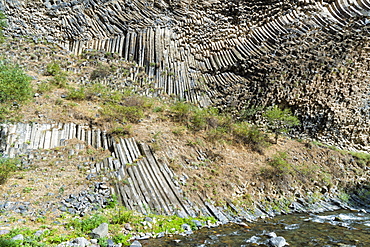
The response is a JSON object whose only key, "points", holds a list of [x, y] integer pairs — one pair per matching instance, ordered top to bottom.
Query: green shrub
{"points": [[3, 24], [53, 69], [101, 72], [59, 76], [59, 80], [15, 85], [44, 87], [76, 94], [129, 109], [181, 112], [122, 113], [280, 121], [121, 130], [250, 135], [363, 159], [280, 163], [7, 166], [122, 216], [85, 225], [121, 238], [8, 243]]}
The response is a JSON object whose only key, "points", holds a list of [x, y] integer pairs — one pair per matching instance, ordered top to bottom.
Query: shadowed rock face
{"points": [[308, 56]]}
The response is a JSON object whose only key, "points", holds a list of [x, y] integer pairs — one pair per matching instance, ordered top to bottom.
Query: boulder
{"points": [[100, 232], [276, 242]]}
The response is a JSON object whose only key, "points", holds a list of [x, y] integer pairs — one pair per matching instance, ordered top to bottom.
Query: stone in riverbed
{"points": [[276, 242], [136, 244]]}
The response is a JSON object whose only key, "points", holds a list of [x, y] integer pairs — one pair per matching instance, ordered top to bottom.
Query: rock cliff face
{"points": [[312, 57]]}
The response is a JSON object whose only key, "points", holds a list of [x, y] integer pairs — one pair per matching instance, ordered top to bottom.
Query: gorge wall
{"points": [[312, 57]]}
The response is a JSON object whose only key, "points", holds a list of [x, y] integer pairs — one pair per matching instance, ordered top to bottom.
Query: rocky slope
{"points": [[70, 159]]}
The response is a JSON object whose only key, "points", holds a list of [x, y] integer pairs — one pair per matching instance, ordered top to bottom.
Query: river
{"points": [[339, 228]]}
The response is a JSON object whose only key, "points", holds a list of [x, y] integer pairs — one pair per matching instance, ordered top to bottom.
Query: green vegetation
{"points": [[3, 24], [101, 72], [59, 77], [15, 85], [126, 109], [280, 121], [218, 126], [250, 134], [363, 159], [280, 164], [7, 167], [279, 168], [116, 217]]}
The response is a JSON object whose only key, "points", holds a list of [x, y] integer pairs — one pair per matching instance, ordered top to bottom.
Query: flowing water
{"points": [[339, 228]]}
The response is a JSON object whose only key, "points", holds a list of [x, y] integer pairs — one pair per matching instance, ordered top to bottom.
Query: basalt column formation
{"points": [[309, 56], [141, 180]]}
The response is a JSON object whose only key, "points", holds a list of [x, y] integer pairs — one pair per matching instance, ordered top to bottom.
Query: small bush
{"points": [[3, 24], [53, 69], [101, 72], [59, 76], [59, 80], [15, 85], [44, 87], [76, 94], [130, 109], [181, 112], [122, 113], [280, 121], [121, 130], [250, 135], [363, 159], [280, 163], [7, 166], [122, 216], [86, 225], [121, 238], [8, 243]]}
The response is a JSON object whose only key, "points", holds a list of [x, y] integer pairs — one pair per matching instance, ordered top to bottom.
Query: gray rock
{"points": [[148, 219], [197, 223], [128, 227], [186, 227], [2, 232], [100, 232], [38, 233], [271, 235], [18, 237], [81, 241], [276, 242], [110, 243], [136, 244]]}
